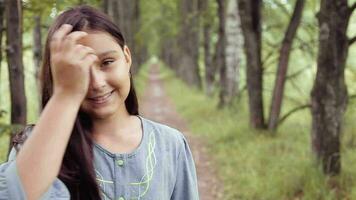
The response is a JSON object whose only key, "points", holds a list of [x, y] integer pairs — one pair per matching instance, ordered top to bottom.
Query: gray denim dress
{"points": [[160, 168]]}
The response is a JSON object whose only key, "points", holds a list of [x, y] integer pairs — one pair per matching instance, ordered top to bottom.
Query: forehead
{"points": [[99, 41]]}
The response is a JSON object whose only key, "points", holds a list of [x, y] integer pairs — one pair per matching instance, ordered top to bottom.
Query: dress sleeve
{"points": [[186, 186], [11, 187]]}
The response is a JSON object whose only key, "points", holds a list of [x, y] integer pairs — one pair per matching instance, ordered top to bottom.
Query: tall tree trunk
{"points": [[105, 6], [2, 11], [126, 15], [250, 15], [188, 42], [37, 44], [138, 46], [37, 52], [167, 52], [221, 54], [14, 60], [283, 61], [209, 67], [229, 76], [329, 93]]}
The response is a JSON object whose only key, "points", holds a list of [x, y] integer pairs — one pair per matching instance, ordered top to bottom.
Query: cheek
{"points": [[119, 78]]}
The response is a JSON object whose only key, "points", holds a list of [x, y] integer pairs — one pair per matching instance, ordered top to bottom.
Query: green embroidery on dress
{"points": [[149, 168], [145, 181], [102, 182]]}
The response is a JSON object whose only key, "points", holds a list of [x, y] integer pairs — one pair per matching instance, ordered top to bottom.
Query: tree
{"points": [[105, 6], [2, 10], [126, 14], [250, 15], [206, 21], [188, 42], [37, 44], [220, 59], [283, 61], [15, 63], [229, 71], [329, 93]]}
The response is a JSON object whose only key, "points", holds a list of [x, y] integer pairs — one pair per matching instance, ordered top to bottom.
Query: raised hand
{"points": [[70, 63]]}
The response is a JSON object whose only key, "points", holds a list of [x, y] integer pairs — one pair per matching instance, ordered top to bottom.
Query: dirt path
{"points": [[157, 106]]}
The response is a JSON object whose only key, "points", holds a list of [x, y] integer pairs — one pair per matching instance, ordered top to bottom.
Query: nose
{"points": [[97, 79]]}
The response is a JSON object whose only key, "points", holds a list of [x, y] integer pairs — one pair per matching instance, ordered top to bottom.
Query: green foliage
{"points": [[159, 20], [4, 145], [255, 166]]}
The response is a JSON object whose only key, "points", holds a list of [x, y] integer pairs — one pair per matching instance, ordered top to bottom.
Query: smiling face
{"points": [[109, 77]]}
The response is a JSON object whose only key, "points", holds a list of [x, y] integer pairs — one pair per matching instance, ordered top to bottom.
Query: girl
{"points": [[90, 141]]}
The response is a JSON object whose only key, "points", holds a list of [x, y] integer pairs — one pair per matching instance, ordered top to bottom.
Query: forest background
{"points": [[269, 85]]}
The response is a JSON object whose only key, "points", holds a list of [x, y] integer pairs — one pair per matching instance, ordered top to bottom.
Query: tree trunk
{"points": [[105, 6], [2, 11], [125, 14], [250, 15], [207, 27], [188, 42], [37, 44], [140, 45], [37, 52], [167, 53], [284, 53], [221, 54], [15, 64], [209, 68], [229, 76], [329, 93]]}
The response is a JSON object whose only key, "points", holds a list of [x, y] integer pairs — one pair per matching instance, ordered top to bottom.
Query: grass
{"points": [[4, 143], [255, 165]]}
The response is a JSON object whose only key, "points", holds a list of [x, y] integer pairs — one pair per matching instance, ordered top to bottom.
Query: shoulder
{"points": [[163, 130], [171, 137]]}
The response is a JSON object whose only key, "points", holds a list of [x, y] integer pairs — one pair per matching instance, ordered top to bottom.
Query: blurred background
{"points": [[264, 89]]}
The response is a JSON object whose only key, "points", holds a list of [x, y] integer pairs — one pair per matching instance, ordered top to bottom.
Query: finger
{"points": [[59, 34], [73, 37], [81, 51], [90, 59]]}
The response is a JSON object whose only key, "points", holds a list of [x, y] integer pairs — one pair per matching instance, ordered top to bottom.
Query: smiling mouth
{"points": [[101, 98]]}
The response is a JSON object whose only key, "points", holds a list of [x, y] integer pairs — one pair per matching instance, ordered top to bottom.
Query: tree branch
{"points": [[283, 8], [352, 8], [352, 40], [268, 56], [297, 73], [293, 111]]}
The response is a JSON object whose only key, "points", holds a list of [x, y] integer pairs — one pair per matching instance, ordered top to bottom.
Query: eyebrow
{"points": [[106, 53]]}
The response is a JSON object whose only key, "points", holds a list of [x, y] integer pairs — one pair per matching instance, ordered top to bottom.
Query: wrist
{"points": [[68, 99]]}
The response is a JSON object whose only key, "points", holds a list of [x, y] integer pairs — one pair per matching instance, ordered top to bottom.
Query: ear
{"points": [[127, 54]]}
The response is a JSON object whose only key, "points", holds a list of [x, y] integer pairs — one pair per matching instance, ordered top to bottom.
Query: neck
{"points": [[113, 127]]}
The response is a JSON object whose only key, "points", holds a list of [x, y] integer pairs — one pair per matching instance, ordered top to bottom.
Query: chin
{"points": [[103, 113]]}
